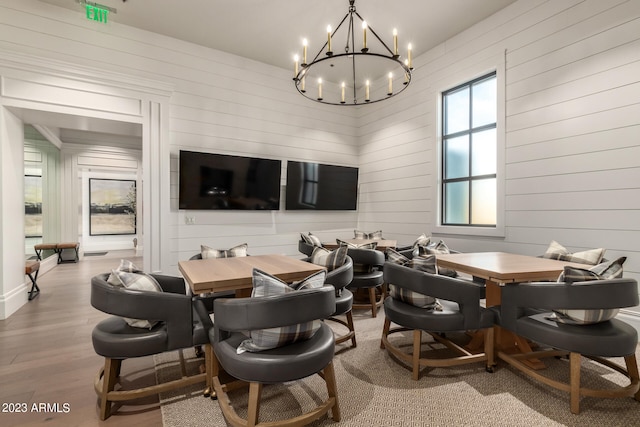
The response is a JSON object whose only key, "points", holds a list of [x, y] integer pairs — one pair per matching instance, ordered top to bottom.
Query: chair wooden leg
{"points": [[372, 300], [351, 327], [385, 331], [417, 338], [489, 348], [118, 364], [574, 366], [211, 370], [632, 370], [110, 375], [332, 390], [253, 410]]}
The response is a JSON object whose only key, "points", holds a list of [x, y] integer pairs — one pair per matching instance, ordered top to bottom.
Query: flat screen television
{"points": [[219, 181], [321, 187]]}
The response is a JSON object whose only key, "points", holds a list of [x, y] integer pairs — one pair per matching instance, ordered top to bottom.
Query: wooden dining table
{"points": [[499, 269], [236, 274]]}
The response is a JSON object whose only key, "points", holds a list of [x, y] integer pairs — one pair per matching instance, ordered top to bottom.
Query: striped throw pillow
{"points": [[376, 235], [310, 239], [422, 240], [370, 245], [434, 248], [207, 252], [559, 252], [329, 259], [426, 264], [602, 271], [141, 282], [265, 284]]}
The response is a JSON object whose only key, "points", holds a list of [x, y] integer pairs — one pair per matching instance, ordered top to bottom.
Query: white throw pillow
{"points": [[140, 282]]}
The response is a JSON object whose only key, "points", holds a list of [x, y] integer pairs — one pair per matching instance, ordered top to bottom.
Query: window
{"points": [[469, 154]]}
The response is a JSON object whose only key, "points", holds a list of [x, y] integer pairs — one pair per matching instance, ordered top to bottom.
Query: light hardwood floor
{"points": [[46, 355]]}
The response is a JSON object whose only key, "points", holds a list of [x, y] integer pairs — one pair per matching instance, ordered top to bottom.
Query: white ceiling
{"points": [[271, 31]]}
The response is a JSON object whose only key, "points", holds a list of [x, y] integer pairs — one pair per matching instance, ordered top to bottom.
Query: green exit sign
{"points": [[96, 13]]}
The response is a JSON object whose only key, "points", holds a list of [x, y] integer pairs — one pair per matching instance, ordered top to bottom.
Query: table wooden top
{"points": [[382, 243], [501, 267], [225, 274]]}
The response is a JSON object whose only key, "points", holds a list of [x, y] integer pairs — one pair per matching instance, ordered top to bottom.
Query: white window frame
{"points": [[445, 84]]}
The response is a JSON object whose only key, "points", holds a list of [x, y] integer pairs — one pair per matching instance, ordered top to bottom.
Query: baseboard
{"points": [[106, 246], [19, 296], [13, 300]]}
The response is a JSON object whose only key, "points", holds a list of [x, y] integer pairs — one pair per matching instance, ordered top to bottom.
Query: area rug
{"points": [[376, 390]]}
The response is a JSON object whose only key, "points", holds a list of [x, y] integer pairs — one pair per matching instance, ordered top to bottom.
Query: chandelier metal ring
{"points": [[357, 72]]}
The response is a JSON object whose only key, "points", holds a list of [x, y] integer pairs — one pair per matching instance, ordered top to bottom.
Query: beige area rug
{"points": [[376, 390]]}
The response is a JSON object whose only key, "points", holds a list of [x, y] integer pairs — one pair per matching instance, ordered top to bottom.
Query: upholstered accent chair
{"points": [[367, 275], [454, 306], [527, 309], [177, 322], [288, 362]]}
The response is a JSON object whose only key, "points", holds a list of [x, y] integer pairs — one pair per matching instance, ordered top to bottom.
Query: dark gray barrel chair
{"points": [[305, 248], [367, 274], [339, 278], [526, 310], [461, 311], [183, 322], [287, 363]]}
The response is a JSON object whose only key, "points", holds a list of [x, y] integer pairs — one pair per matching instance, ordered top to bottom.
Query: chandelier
{"points": [[366, 73]]}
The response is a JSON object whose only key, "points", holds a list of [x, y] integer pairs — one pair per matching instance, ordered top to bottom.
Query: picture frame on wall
{"points": [[112, 207]]}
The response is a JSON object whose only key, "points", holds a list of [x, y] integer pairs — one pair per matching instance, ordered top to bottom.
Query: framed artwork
{"points": [[33, 206], [112, 207]]}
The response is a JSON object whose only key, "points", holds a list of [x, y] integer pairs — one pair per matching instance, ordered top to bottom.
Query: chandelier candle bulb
{"points": [[364, 36], [329, 40], [395, 42], [304, 52], [409, 62], [295, 66], [390, 84], [303, 85], [319, 89], [366, 92], [342, 101]]}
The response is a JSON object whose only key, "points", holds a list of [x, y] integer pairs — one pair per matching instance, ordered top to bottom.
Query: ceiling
{"points": [[271, 31]]}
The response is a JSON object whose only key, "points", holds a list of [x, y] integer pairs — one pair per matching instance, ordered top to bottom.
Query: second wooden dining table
{"points": [[499, 269]]}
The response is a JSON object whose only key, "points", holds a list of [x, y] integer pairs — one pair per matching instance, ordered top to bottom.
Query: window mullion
{"points": [[469, 147]]}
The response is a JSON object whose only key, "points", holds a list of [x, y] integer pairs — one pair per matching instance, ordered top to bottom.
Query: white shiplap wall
{"points": [[221, 103], [572, 136]]}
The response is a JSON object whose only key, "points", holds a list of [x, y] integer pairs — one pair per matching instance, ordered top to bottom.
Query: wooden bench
{"points": [[57, 248], [30, 268]]}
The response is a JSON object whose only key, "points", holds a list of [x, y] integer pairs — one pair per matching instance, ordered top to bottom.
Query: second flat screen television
{"points": [[218, 181], [321, 187]]}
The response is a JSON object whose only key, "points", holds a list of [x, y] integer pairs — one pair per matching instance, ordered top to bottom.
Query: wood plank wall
{"points": [[572, 146]]}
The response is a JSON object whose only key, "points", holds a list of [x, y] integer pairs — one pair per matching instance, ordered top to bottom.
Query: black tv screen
{"points": [[218, 181], [321, 187]]}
